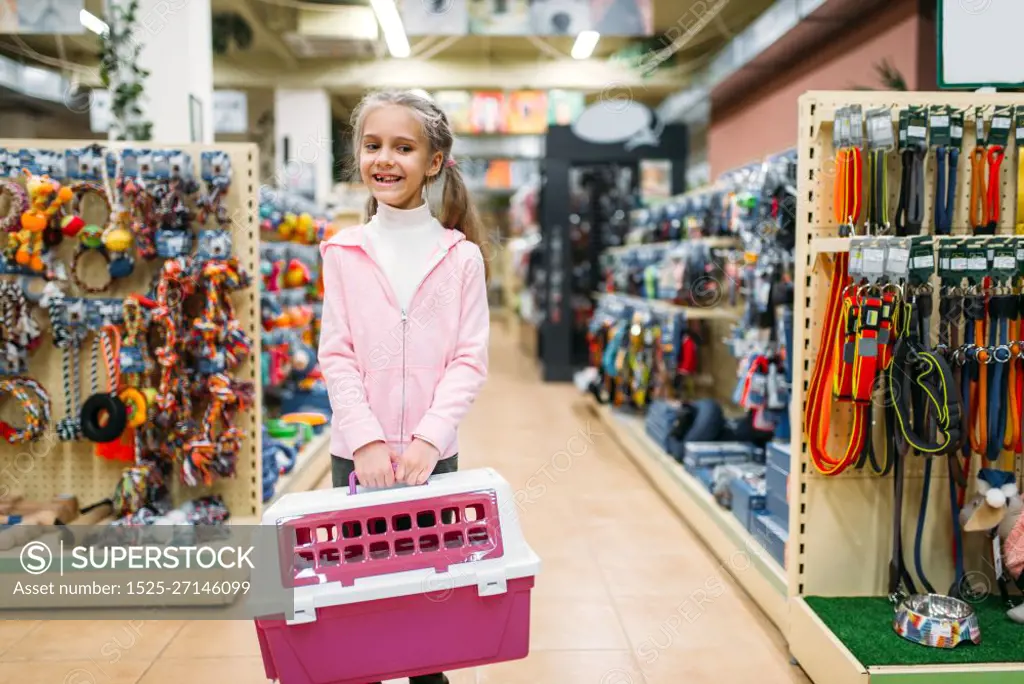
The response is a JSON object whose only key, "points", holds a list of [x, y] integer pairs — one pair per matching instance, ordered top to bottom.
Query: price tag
{"points": [[1002, 121], [879, 124], [939, 124], [979, 125], [856, 126], [1020, 127], [917, 129], [956, 129], [976, 254], [922, 259], [1004, 259], [874, 260], [897, 260], [958, 260], [977, 262], [1004, 263], [856, 267]]}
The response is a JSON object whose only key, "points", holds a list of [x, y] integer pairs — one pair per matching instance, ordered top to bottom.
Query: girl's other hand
{"points": [[417, 463], [373, 465]]}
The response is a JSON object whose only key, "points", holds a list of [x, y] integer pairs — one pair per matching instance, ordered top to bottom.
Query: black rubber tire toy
{"points": [[93, 410]]}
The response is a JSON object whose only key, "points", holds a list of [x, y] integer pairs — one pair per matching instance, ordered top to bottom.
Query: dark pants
{"points": [[341, 469]]}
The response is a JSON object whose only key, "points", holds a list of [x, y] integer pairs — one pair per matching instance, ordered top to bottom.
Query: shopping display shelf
{"points": [[716, 241], [837, 245], [691, 312], [311, 466], [736, 548], [840, 623], [828, 657]]}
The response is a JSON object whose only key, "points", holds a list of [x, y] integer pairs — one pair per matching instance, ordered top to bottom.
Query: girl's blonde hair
{"points": [[457, 209]]}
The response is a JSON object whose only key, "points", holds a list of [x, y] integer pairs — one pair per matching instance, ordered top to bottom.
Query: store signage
{"points": [[41, 17], [526, 17], [961, 64], [34, 81], [230, 111], [616, 121]]}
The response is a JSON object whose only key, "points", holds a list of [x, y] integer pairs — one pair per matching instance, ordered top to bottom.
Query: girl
{"points": [[403, 342]]}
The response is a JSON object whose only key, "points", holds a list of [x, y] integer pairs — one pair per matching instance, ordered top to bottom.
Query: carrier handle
{"points": [[352, 480]]}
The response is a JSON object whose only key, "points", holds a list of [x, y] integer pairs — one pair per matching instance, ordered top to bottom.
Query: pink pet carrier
{"points": [[399, 582]]}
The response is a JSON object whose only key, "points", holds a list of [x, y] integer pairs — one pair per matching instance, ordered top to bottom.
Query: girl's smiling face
{"points": [[395, 158]]}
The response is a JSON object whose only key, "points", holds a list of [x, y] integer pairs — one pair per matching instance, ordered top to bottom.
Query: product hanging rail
{"points": [[909, 275]]}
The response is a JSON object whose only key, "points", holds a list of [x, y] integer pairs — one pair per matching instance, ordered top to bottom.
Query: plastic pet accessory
{"points": [[388, 566]]}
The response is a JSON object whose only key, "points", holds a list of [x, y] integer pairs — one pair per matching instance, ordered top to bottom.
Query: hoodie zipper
{"points": [[405, 330]]}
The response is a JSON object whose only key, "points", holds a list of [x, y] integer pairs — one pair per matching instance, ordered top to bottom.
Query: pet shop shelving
{"points": [[48, 465], [842, 526], [741, 555]]}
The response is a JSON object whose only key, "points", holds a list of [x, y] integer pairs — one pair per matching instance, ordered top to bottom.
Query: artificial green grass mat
{"points": [[864, 626]]}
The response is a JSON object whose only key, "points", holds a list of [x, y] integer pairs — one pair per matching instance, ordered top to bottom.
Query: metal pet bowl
{"points": [[936, 621]]}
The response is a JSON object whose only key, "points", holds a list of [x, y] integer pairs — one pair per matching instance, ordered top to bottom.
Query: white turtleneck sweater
{"points": [[403, 242]]}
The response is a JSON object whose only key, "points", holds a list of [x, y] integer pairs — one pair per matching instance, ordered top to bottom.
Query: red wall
{"points": [[764, 121]]}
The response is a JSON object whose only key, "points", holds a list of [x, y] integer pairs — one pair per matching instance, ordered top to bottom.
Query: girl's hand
{"points": [[417, 463], [373, 465]]}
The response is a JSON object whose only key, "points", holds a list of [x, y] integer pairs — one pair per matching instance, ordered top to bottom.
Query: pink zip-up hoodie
{"points": [[392, 375]]}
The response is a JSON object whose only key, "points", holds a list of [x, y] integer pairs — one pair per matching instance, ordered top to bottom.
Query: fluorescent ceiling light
{"points": [[93, 23], [391, 24], [585, 43]]}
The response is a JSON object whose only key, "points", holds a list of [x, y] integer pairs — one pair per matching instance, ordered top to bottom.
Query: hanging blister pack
{"points": [[855, 126], [85, 164], [215, 165], [174, 237], [214, 245], [948, 252], [976, 253], [875, 258], [897, 259], [1003, 259], [922, 260], [778, 390]]}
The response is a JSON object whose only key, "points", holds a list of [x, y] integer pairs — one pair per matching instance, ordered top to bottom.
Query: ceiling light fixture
{"points": [[93, 23], [391, 24], [585, 43]]}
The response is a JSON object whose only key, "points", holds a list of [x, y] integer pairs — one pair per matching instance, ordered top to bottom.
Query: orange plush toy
{"points": [[46, 197]]}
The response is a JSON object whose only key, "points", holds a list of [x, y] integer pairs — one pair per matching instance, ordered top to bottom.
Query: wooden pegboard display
{"points": [[49, 467], [841, 527]]}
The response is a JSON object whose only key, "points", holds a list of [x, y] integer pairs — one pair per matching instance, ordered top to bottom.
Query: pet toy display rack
{"points": [[292, 305], [49, 465], [843, 552]]}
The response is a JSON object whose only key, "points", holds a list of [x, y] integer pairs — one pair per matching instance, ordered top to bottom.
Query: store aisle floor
{"points": [[627, 594]]}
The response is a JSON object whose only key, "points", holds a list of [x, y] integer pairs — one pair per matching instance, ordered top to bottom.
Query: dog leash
{"points": [[946, 161], [910, 208], [831, 363]]}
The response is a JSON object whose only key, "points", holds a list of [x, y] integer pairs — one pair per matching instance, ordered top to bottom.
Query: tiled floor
{"points": [[610, 605]]}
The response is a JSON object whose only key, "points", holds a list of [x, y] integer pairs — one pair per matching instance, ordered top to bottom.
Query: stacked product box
{"points": [[661, 418], [701, 458], [748, 498], [773, 528]]}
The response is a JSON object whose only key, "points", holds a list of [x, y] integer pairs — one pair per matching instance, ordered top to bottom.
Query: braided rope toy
{"points": [[18, 205], [69, 341], [36, 403], [132, 491]]}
